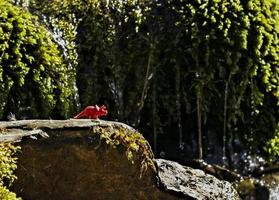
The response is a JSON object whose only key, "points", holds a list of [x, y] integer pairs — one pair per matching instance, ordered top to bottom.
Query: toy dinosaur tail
{"points": [[81, 114]]}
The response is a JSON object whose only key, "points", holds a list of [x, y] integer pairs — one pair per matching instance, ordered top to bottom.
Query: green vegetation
{"points": [[202, 67], [34, 80], [273, 144], [7, 166]]}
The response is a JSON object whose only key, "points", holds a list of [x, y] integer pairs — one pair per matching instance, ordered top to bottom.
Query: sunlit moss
{"points": [[33, 78], [273, 144], [136, 147], [7, 166], [5, 194]]}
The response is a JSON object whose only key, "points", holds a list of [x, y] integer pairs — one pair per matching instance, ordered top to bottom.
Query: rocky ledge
{"points": [[100, 160]]}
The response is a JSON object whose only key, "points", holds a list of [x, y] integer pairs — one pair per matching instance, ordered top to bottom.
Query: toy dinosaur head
{"points": [[102, 111]]}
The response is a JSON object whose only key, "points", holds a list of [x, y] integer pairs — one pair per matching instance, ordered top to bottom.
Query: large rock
{"points": [[70, 160], [100, 160], [193, 183]]}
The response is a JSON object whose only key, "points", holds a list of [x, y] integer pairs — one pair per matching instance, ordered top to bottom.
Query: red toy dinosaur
{"points": [[92, 112]]}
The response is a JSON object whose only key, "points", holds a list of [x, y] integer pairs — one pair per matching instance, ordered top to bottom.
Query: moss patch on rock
{"points": [[136, 147], [7, 167]]}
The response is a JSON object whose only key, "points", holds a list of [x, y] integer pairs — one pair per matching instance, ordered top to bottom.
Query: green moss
{"points": [[34, 80], [273, 144], [136, 147], [7, 166], [245, 187], [5, 194]]}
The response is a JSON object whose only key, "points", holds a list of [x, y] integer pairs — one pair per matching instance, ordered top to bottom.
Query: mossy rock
{"points": [[83, 159]]}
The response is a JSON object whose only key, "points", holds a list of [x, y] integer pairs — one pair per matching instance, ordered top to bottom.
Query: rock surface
{"points": [[100, 160], [74, 162], [193, 183]]}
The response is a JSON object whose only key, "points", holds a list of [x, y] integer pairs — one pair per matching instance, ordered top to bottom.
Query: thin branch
{"points": [[146, 80], [178, 105], [154, 111], [225, 118], [199, 128]]}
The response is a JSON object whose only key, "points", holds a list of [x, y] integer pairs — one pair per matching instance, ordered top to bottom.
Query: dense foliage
{"points": [[184, 66], [186, 71], [34, 80], [7, 166]]}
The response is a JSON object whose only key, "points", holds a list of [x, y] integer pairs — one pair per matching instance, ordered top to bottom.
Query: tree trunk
{"points": [[146, 80], [178, 106], [154, 115], [199, 128], [224, 157]]}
